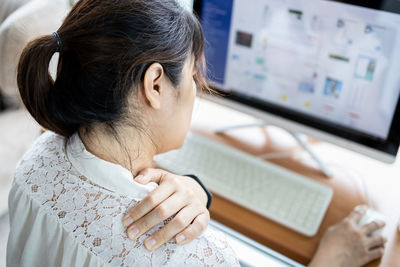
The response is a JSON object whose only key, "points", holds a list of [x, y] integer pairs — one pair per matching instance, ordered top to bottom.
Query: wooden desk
{"points": [[381, 180]]}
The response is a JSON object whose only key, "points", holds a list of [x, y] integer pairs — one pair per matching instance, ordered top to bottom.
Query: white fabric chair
{"points": [[9, 6], [37, 17]]}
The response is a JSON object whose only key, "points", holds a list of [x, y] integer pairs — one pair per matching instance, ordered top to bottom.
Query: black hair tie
{"points": [[58, 40]]}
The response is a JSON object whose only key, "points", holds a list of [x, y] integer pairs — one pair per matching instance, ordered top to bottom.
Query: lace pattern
{"points": [[93, 215]]}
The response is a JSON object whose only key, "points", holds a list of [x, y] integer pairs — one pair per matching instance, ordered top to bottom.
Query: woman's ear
{"points": [[153, 84]]}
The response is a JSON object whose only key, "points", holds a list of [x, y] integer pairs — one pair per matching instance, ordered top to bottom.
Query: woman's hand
{"points": [[175, 194], [348, 244]]}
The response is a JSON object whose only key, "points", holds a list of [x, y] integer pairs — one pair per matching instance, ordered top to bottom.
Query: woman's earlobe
{"points": [[153, 96]]}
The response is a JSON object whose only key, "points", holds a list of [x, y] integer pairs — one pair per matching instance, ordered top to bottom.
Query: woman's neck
{"points": [[129, 149]]}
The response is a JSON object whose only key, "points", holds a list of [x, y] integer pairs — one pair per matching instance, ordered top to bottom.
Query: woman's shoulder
{"points": [[47, 153]]}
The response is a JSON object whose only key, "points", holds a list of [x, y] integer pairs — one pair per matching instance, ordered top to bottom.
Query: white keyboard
{"points": [[267, 189]]}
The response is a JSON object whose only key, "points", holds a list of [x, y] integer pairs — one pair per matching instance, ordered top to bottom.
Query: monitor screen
{"points": [[326, 64]]}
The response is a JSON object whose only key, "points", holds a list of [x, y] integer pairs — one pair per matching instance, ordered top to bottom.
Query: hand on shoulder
{"points": [[176, 195]]}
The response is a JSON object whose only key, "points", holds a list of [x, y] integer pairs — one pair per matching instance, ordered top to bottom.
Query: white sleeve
{"points": [[37, 239]]}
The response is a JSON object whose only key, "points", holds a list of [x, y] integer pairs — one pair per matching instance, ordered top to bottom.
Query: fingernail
{"points": [[139, 178], [127, 221], [133, 232], [180, 238], [150, 243]]}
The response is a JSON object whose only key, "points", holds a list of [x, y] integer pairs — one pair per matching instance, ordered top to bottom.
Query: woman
{"points": [[124, 92]]}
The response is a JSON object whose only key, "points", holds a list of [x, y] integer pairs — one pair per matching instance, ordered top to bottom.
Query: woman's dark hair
{"points": [[107, 46]]}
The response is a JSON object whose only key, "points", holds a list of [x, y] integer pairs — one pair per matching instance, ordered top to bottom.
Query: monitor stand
{"points": [[324, 169]]}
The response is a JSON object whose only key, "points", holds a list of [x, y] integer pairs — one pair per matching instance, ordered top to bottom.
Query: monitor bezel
{"points": [[382, 149]]}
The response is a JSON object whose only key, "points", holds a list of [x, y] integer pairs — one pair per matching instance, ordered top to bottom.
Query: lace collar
{"points": [[111, 176]]}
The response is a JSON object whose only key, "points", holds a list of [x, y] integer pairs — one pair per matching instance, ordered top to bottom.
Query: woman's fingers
{"points": [[150, 175], [175, 195], [152, 200], [163, 211], [357, 213], [181, 221], [371, 227], [194, 229], [376, 241], [375, 254]]}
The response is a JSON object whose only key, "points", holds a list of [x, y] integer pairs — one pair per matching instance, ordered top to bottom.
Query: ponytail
{"points": [[35, 82]]}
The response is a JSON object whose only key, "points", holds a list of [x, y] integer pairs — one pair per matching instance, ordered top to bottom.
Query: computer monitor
{"points": [[328, 69]]}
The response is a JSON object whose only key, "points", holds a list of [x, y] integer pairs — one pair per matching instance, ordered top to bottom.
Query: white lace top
{"points": [[66, 208]]}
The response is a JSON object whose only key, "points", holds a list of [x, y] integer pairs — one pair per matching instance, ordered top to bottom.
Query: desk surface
{"points": [[381, 181]]}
